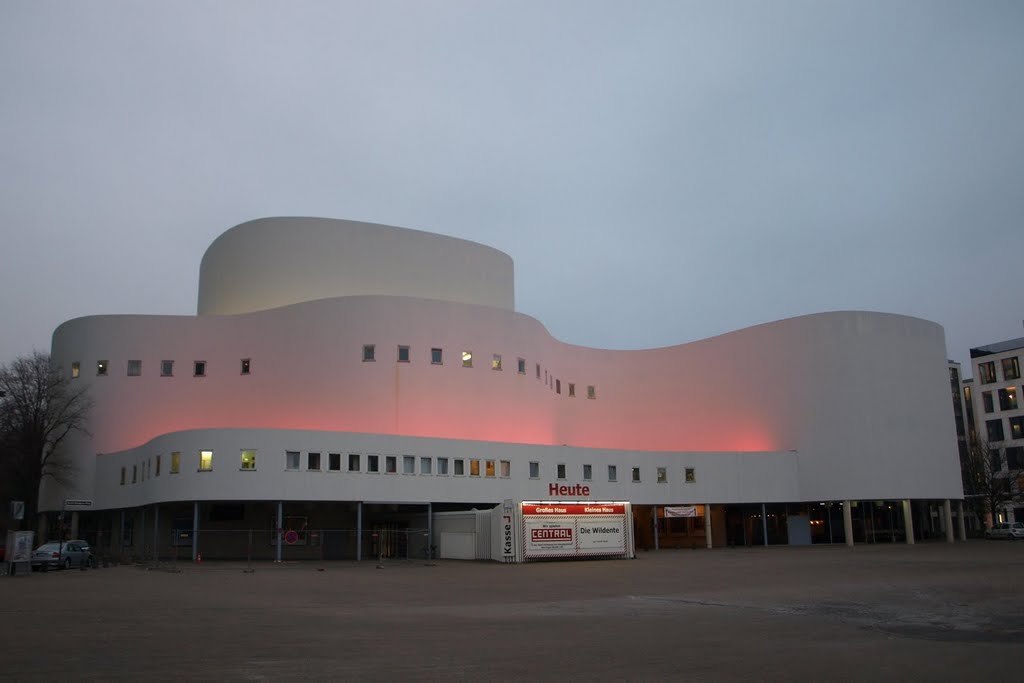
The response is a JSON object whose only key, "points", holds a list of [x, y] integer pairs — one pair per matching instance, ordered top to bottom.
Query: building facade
{"points": [[345, 384]]}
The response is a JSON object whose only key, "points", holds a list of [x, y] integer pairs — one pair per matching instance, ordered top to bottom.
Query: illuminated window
{"points": [[368, 353], [403, 354], [467, 359], [496, 362], [246, 366], [521, 366], [101, 367], [134, 368], [166, 368], [199, 368], [1011, 368], [76, 369], [987, 372], [558, 386], [572, 390], [591, 391], [1008, 398], [987, 403], [1017, 428], [248, 460], [291, 460], [205, 461], [175, 462], [313, 462], [334, 462], [353, 462], [373, 463], [391, 464], [408, 464], [158, 465], [425, 466], [442, 467], [458, 467], [474, 468], [489, 468], [505, 468], [534, 470], [560, 470], [588, 472], [613, 473], [636, 474], [123, 475], [662, 475], [691, 476]]}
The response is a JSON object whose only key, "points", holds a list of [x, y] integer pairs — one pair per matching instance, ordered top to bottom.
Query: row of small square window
{"points": [[437, 358], [166, 368], [1011, 370], [1007, 400], [995, 429], [661, 473]]}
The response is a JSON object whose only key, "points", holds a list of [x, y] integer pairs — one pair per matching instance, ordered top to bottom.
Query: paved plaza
{"points": [[892, 612]]}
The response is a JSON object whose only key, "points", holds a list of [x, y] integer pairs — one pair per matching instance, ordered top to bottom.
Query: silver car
{"points": [[1012, 531], [65, 555]]}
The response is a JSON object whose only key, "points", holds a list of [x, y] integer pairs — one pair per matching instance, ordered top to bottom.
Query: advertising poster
{"points": [[552, 530]]}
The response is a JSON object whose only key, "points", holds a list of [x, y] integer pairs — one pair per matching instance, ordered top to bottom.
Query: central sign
{"points": [[554, 530]]}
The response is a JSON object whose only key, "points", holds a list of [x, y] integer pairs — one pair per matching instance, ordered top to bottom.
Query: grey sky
{"points": [[659, 171]]}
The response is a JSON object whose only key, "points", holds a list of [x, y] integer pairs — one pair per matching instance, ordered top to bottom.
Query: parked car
{"points": [[1012, 531], [55, 555]]}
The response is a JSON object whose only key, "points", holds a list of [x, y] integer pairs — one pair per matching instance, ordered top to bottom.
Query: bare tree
{"points": [[39, 410], [988, 486]]}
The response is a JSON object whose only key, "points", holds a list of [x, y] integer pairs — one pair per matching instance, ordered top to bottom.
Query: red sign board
{"points": [[574, 509]]}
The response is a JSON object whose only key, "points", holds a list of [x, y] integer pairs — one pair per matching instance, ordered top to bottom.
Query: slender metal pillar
{"points": [[947, 513], [654, 515], [848, 522], [908, 522], [74, 524], [764, 524], [707, 525], [280, 527], [962, 528], [195, 530], [359, 531], [430, 531], [142, 532], [156, 533], [120, 539]]}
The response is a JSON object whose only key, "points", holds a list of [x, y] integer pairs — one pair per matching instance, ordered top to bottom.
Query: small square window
{"points": [[368, 353], [403, 354], [436, 356], [467, 359], [496, 362], [246, 366], [521, 366], [101, 367], [134, 368], [166, 368], [1011, 368], [76, 369], [199, 369], [538, 370], [987, 371], [546, 381], [558, 386], [572, 390], [591, 391], [1008, 398], [986, 401], [1017, 427], [995, 430], [249, 460], [291, 460], [205, 461], [313, 461], [175, 462], [334, 462], [353, 462], [373, 463], [391, 464], [408, 464], [158, 465], [425, 466], [442, 467], [458, 467], [474, 468], [488, 468], [505, 468], [534, 470], [560, 470], [588, 473], [613, 473], [135, 474], [636, 474], [123, 475], [662, 475], [691, 475]]}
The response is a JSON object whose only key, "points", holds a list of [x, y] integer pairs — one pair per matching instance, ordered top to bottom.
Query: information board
{"points": [[565, 530]]}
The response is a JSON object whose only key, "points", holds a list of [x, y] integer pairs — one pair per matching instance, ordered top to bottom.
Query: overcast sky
{"points": [[660, 172]]}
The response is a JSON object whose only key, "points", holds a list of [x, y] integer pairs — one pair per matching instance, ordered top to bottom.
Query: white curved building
{"points": [[355, 379]]}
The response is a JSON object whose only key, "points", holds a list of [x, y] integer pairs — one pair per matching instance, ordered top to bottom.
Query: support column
{"points": [[947, 513], [654, 516], [960, 518], [848, 522], [908, 522], [74, 524], [764, 524], [707, 525], [280, 528], [195, 530], [430, 530], [359, 531], [142, 533], [156, 533], [120, 537]]}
